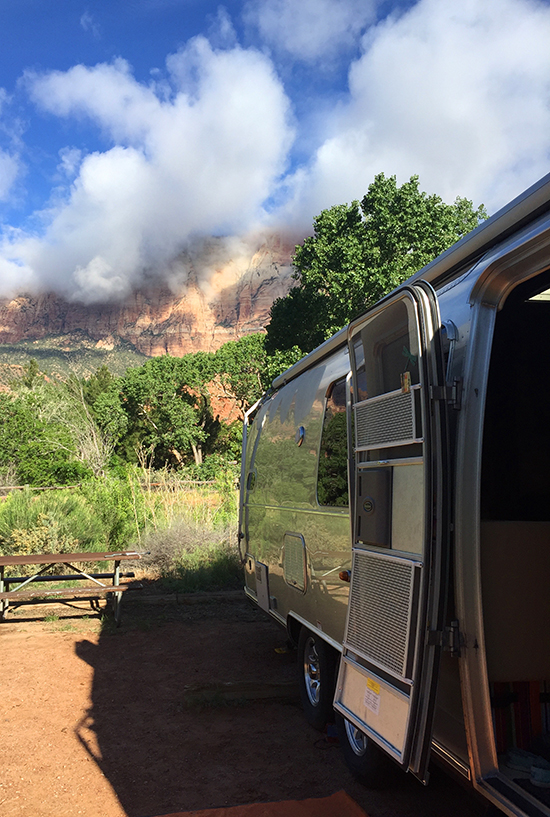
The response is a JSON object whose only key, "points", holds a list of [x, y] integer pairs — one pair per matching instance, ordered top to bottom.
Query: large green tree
{"points": [[361, 251], [239, 365], [245, 370], [167, 404], [161, 413], [36, 447]]}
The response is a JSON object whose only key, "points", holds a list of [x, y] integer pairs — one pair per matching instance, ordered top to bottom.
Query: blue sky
{"points": [[130, 130]]}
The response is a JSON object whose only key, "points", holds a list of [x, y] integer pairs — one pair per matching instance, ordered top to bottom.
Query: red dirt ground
{"points": [[97, 721]]}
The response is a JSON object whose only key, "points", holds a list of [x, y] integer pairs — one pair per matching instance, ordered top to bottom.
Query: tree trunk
{"points": [[197, 453], [177, 456]]}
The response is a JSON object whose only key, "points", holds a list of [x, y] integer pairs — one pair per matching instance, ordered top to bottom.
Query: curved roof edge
{"points": [[526, 207], [326, 348]]}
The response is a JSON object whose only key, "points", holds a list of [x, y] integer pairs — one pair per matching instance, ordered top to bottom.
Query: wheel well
{"points": [[293, 628]]}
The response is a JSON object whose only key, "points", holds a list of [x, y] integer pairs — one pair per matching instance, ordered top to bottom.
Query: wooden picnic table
{"points": [[45, 561]]}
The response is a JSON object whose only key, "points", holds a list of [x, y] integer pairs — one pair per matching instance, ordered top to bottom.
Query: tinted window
{"points": [[332, 475]]}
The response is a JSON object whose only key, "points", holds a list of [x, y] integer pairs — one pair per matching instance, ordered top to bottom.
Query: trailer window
{"points": [[386, 351], [386, 374], [332, 473]]}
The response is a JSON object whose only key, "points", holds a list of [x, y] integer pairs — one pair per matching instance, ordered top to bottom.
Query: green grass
{"points": [[188, 530], [207, 567]]}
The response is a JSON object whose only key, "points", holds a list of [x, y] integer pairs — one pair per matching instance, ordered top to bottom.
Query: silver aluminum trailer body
{"points": [[437, 400]]}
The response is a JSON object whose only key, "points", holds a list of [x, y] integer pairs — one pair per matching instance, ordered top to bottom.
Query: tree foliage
{"points": [[361, 251], [239, 369], [245, 370], [30, 372], [101, 382], [168, 408], [158, 414], [36, 446]]}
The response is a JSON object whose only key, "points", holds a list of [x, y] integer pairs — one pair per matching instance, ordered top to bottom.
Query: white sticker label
{"points": [[372, 696]]}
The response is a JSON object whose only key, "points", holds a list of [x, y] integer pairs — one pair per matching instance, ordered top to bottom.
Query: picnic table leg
{"points": [[117, 597], [4, 604]]}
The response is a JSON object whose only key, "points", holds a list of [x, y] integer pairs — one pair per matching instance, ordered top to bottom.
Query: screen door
{"points": [[387, 680]]}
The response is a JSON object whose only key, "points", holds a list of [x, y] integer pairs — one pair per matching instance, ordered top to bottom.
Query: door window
{"points": [[386, 351]]}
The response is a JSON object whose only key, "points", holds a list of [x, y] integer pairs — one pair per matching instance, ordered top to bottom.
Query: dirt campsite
{"points": [[192, 703]]}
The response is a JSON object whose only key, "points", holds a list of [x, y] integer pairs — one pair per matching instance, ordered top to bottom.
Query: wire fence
{"points": [[5, 490]]}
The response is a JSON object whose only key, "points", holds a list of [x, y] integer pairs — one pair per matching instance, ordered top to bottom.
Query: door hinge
{"points": [[452, 394], [449, 639]]}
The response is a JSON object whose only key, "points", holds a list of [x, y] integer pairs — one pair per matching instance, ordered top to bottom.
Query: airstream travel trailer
{"points": [[395, 517]]}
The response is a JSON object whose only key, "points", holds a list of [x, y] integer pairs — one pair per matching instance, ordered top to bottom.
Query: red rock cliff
{"points": [[219, 303]]}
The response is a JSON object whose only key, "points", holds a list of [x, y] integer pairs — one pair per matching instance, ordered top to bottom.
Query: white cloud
{"points": [[89, 24], [310, 30], [221, 33], [457, 92], [107, 94], [70, 161], [201, 161], [10, 163], [9, 170], [15, 276], [98, 281]]}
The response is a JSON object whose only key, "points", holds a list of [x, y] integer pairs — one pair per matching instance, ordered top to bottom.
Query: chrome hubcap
{"points": [[312, 675], [357, 739]]}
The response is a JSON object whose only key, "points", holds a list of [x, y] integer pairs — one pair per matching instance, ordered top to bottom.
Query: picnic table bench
{"points": [[93, 591]]}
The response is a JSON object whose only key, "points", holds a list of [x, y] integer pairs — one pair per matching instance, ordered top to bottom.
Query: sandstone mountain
{"points": [[208, 300]]}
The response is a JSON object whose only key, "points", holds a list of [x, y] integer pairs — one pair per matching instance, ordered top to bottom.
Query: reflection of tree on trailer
{"points": [[442, 639]]}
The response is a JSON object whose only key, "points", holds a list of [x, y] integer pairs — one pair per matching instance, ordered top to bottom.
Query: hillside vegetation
{"points": [[63, 356], [145, 460]]}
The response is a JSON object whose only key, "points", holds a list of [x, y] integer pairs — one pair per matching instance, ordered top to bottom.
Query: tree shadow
{"points": [[195, 706], [158, 727]]}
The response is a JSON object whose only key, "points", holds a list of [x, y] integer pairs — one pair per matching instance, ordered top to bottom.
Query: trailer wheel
{"points": [[317, 670], [365, 760]]}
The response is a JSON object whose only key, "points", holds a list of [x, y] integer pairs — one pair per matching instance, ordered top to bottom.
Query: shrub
{"points": [[119, 504], [103, 514], [61, 516], [52, 522], [186, 527], [45, 537], [193, 544], [189, 558], [209, 567]]}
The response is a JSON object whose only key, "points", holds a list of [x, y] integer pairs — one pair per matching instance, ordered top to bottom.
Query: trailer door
{"points": [[400, 526]]}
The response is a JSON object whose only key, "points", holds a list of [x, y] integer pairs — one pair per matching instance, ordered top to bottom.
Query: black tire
{"points": [[317, 670], [365, 760]]}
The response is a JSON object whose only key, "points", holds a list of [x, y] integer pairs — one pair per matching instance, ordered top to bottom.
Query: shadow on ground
{"points": [[192, 707]]}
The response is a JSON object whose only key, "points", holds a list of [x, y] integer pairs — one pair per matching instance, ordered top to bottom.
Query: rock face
{"points": [[200, 307]]}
